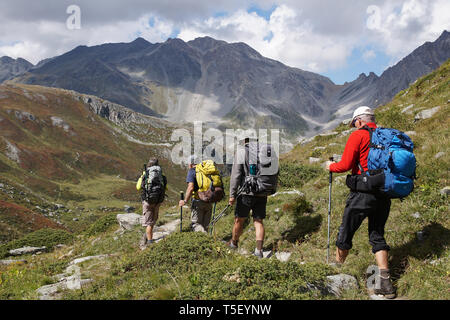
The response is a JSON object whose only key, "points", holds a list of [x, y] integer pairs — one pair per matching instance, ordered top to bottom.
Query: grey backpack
{"points": [[261, 169]]}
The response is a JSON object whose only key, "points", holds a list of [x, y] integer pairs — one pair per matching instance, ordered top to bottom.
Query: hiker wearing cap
{"points": [[153, 185], [249, 188], [360, 205], [200, 210]]}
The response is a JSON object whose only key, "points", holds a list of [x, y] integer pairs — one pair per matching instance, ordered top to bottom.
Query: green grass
{"points": [[102, 225], [43, 237], [192, 266], [197, 266]]}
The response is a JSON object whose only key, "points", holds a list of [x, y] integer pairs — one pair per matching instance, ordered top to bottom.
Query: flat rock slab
{"points": [[407, 109], [426, 114], [439, 155], [314, 160], [445, 191], [288, 192], [129, 209], [128, 221], [169, 227], [163, 231], [26, 250], [283, 256], [83, 259], [8, 262], [341, 282], [50, 291], [53, 291]]}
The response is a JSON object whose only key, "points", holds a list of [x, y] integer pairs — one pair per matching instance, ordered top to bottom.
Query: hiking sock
{"points": [[234, 242], [259, 244], [258, 253], [385, 273], [386, 287]]}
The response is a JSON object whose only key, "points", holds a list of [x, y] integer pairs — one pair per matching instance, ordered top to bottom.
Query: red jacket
{"points": [[356, 149]]}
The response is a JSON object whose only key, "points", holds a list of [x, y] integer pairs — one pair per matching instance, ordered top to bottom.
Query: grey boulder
{"points": [[426, 114], [128, 221], [26, 250], [338, 283]]}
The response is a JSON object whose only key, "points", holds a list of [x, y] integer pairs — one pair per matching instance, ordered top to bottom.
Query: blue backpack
{"points": [[391, 151]]}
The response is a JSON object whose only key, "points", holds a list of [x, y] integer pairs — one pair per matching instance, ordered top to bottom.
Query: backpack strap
{"points": [[371, 131], [371, 145]]}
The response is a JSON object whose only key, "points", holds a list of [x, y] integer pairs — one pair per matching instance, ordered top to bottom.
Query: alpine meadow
{"points": [[85, 133]]}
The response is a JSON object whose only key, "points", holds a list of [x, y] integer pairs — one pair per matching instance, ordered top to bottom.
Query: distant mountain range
{"points": [[10, 68], [225, 84]]}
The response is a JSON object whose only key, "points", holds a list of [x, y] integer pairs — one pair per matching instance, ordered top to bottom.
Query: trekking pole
{"points": [[144, 183], [181, 211], [329, 212], [221, 214], [213, 215]]}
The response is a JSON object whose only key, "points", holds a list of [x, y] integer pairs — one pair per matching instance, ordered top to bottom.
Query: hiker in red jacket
{"points": [[360, 205]]}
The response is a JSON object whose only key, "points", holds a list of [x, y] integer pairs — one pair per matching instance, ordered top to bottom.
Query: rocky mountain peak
{"points": [[445, 35], [205, 43], [10, 68]]}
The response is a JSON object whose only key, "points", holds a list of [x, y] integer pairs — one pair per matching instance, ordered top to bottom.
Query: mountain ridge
{"points": [[229, 84]]}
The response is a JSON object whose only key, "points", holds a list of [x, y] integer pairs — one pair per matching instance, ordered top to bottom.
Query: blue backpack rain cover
{"points": [[392, 151]]}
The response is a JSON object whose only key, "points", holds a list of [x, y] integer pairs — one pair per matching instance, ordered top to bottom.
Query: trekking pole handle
{"points": [[331, 173], [181, 195]]}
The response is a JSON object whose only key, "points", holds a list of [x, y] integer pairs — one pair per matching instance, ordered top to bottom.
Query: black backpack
{"points": [[154, 185]]}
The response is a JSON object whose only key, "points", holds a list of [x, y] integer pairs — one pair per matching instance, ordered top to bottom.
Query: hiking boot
{"points": [[144, 242], [231, 245], [143, 246], [258, 253], [386, 288]]}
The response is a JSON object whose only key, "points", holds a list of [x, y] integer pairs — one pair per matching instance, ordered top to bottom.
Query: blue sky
{"points": [[265, 13], [356, 65]]}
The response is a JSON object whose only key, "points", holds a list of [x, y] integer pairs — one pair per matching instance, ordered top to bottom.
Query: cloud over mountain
{"points": [[317, 36]]}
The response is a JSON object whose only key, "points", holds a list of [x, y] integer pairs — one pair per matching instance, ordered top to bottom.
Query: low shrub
{"points": [[294, 175], [102, 224], [43, 237], [253, 279]]}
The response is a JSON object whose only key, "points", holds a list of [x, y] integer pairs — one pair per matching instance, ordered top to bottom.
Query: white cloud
{"points": [[399, 28], [313, 35], [280, 38], [44, 39], [26, 50], [368, 55]]}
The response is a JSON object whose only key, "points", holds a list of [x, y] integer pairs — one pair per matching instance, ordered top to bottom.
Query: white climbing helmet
{"points": [[359, 112]]}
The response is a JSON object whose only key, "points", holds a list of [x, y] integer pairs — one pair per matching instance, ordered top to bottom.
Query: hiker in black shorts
{"points": [[245, 201]]}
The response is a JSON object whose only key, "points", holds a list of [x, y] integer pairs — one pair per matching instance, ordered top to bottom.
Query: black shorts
{"points": [[246, 203], [359, 206]]}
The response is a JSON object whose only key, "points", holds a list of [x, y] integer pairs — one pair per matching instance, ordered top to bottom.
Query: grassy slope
{"points": [[85, 166], [410, 258], [192, 265]]}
